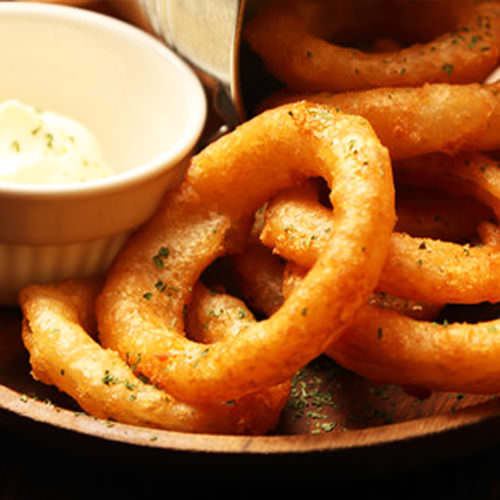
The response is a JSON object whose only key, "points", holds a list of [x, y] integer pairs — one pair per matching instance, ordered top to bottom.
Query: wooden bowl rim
{"points": [[82, 423]]}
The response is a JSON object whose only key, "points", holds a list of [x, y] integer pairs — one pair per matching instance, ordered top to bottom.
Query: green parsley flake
{"points": [[473, 41], [448, 68], [162, 254], [158, 262], [215, 314], [109, 379], [315, 415], [328, 426]]}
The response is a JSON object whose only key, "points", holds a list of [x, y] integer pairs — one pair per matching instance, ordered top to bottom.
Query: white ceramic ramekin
{"points": [[144, 105]]}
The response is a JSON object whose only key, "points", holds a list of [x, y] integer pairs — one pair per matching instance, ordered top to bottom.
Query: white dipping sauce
{"points": [[41, 147]]}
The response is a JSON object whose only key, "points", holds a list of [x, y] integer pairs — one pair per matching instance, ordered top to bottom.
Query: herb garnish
{"points": [[448, 68], [158, 259], [160, 286], [109, 379]]}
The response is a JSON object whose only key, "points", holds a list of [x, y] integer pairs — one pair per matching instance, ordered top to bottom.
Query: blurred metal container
{"points": [[207, 34]]}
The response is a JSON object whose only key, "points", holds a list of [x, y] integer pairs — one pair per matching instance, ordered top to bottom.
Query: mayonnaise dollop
{"points": [[42, 147]]}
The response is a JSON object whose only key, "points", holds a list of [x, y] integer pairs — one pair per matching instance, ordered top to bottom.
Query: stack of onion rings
{"points": [[290, 40], [294, 142], [421, 269], [348, 279], [62, 353], [213, 379]]}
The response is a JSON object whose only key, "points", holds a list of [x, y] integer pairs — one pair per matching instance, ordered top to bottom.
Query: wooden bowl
{"points": [[332, 415]]}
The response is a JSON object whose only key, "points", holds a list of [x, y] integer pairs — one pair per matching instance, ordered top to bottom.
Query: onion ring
{"points": [[283, 36], [415, 121], [476, 175], [227, 182], [427, 214], [420, 269], [294, 274], [259, 276], [284, 278], [213, 315], [56, 318], [386, 346]]}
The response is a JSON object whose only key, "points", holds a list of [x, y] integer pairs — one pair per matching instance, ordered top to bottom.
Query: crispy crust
{"points": [[284, 37], [416, 121], [229, 180], [420, 269], [259, 276], [389, 346], [63, 354]]}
